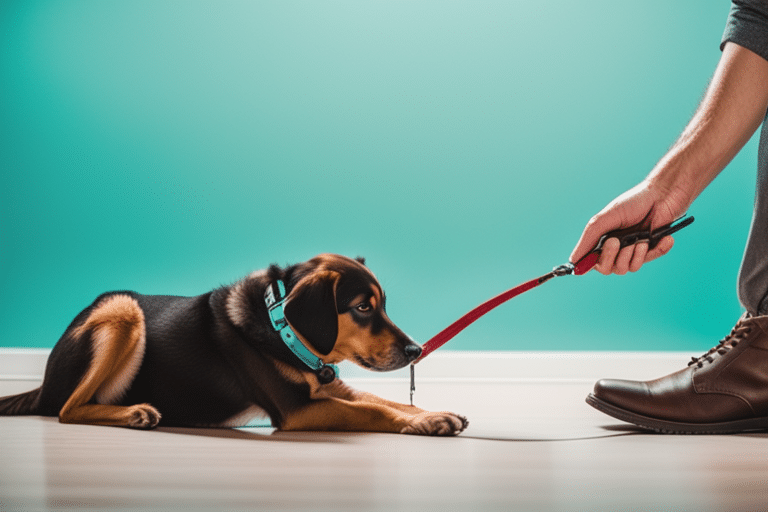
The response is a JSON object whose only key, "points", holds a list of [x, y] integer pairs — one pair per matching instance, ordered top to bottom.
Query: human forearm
{"points": [[732, 109]]}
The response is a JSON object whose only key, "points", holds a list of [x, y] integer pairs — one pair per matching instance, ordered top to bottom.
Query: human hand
{"points": [[642, 205]]}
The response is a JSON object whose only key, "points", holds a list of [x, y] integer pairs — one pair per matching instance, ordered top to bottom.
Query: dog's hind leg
{"points": [[115, 328]]}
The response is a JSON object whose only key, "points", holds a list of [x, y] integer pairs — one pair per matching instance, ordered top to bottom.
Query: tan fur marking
{"points": [[334, 262], [126, 314], [118, 336], [354, 341], [290, 372], [336, 388], [341, 408], [343, 415]]}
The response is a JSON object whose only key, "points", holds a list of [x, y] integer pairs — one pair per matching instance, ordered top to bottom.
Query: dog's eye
{"points": [[364, 307]]}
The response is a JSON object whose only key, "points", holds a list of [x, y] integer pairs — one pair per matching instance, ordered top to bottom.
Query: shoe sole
{"points": [[674, 427]]}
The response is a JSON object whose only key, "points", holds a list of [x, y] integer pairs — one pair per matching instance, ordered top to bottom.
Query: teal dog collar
{"points": [[275, 305]]}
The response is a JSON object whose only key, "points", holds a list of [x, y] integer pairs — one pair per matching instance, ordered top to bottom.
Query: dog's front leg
{"points": [[364, 396], [335, 414]]}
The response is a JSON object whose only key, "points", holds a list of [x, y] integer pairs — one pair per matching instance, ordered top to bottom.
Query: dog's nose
{"points": [[412, 352]]}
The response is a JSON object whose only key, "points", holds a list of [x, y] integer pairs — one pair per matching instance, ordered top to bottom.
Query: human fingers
{"points": [[630, 208], [593, 231], [663, 247], [608, 255], [638, 256], [619, 261], [621, 265]]}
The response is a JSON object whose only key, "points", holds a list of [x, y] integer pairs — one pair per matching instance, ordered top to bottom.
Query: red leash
{"points": [[627, 236], [438, 340]]}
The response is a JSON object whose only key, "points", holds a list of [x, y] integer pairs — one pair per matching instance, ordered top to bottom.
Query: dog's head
{"points": [[337, 306]]}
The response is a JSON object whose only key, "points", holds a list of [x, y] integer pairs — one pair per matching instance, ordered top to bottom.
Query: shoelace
{"points": [[738, 332]]}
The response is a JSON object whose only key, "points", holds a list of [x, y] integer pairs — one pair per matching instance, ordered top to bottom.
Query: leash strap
{"points": [[627, 236], [462, 323]]}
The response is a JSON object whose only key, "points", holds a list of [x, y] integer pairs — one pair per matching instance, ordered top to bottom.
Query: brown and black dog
{"points": [[219, 359]]}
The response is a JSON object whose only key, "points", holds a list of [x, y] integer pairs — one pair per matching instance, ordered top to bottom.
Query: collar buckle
{"points": [[275, 306]]}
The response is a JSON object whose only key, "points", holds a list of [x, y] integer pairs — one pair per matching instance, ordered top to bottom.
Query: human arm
{"points": [[732, 109]]}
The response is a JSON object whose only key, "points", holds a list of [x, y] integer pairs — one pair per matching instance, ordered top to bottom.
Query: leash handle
{"points": [[630, 236]]}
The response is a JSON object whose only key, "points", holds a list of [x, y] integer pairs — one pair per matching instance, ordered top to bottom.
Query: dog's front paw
{"points": [[143, 416], [436, 424]]}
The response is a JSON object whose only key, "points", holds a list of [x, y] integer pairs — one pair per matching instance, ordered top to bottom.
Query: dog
{"points": [[265, 346]]}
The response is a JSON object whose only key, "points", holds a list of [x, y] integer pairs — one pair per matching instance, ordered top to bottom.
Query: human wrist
{"points": [[678, 179], [673, 187]]}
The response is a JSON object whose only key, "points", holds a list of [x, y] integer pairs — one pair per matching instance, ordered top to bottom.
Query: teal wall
{"points": [[174, 146]]}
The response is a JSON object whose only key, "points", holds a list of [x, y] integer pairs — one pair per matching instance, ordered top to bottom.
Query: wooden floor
{"points": [[530, 446]]}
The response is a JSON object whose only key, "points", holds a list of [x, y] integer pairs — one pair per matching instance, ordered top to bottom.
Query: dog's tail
{"points": [[21, 404]]}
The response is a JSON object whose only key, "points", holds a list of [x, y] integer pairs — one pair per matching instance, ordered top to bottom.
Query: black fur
{"points": [[312, 311]]}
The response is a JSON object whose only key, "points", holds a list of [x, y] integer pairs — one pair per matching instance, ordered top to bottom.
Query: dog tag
{"points": [[413, 381]]}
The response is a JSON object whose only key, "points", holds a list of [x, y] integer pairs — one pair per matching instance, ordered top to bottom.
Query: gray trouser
{"points": [[753, 274]]}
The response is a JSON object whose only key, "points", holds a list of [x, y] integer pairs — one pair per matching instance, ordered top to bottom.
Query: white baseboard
{"points": [[22, 369]]}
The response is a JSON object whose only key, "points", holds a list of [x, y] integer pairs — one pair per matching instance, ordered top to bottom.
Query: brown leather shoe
{"points": [[724, 391]]}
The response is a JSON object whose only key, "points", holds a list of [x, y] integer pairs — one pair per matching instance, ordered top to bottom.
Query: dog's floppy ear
{"points": [[311, 309]]}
